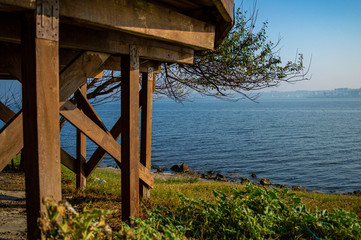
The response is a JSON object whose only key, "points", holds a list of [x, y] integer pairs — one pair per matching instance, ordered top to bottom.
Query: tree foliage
{"points": [[245, 62]]}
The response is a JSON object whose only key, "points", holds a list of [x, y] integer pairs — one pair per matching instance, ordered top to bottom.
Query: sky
{"points": [[329, 31]]}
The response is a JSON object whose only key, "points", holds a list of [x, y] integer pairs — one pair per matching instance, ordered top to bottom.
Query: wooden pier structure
{"points": [[53, 46]]}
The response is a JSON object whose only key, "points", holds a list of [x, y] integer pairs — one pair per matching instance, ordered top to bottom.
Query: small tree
{"points": [[245, 62]]}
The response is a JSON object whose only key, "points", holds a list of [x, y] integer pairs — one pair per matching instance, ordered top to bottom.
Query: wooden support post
{"points": [[40, 74], [146, 126], [130, 133], [81, 151], [81, 160]]}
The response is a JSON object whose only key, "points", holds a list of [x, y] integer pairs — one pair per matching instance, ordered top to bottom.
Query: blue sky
{"points": [[329, 31]]}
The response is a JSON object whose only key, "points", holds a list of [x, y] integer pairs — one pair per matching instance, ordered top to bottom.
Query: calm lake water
{"points": [[315, 143]]}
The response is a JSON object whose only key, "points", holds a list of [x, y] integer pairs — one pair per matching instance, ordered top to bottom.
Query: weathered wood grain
{"points": [[142, 18], [112, 42], [77, 73], [87, 108], [40, 114], [76, 117], [146, 125], [130, 134], [81, 139], [11, 140], [100, 153], [68, 161]]}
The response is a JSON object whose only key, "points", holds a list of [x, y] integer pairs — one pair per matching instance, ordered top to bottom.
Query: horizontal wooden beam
{"points": [[226, 9], [141, 18], [112, 42], [113, 63], [72, 76]]}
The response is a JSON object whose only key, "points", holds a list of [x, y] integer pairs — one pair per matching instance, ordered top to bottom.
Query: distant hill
{"points": [[336, 93]]}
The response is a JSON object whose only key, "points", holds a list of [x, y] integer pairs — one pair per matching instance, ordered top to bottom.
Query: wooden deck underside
{"points": [[64, 42]]}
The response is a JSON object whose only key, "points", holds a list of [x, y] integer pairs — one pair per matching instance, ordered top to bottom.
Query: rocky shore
{"points": [[183, 171]]}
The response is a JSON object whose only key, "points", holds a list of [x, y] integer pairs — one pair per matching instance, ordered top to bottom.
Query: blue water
{"points": [[315, 143]]}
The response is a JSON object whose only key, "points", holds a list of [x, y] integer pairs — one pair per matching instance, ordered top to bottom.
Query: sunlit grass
{"points": [[165, 192]]}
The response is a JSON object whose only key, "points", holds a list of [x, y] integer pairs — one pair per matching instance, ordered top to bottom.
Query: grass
{"points": [[165, 193], [106, 194]]}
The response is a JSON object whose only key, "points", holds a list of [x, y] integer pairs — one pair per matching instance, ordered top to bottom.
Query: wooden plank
{"points": [[26, 4], [226, 9], [137, 17], [142, 18], [112, 42], [113, 63], [77, 73], [72, 76], [68, 80], [87, 108], [41, 111], [5, 113], [76, 117], [146, 126], [95, 133], [130, 134], [11, 140], [81, 140], [100, 153], [80, 160], [68, 161], [146, 176]]}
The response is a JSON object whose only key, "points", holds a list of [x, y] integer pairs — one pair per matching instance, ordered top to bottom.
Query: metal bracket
{"points": [[47, 19]]}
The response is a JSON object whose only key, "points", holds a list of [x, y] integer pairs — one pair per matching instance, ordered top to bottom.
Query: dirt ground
{"points": [[12, 202], [12, 206]]}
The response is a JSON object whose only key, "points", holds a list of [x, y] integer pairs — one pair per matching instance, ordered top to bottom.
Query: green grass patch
{"points": [[177, 181], [99, 183], [165, 192], [213, 210]]}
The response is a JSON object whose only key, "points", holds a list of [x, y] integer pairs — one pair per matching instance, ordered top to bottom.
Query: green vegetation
{"points": [[195, 209]]}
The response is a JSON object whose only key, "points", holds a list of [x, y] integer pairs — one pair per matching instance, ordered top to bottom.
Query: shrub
{"points": [[251, 213]]}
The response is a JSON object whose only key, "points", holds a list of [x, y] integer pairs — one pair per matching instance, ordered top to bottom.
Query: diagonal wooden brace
{"points": [[71, 78], [88, 109], [81, 121], [11, 140], [99, 153]]}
